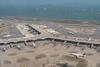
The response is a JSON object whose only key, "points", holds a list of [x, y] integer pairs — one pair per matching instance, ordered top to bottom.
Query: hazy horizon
{"points": [[54, 2], [63, 9]]}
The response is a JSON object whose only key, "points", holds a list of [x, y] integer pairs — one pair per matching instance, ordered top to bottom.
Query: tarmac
{"points": [[46, 49]]}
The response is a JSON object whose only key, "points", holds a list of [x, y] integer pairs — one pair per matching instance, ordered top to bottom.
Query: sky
{"points": [[36, 2], [73, 3]]}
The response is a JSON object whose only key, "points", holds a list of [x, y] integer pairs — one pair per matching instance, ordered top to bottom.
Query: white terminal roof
{"points": [[42, 26], [52, 31]]}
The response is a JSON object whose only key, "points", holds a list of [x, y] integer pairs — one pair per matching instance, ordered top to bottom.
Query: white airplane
{"points": [[71, 33], [89, 39], [33, 45], [18, 47], [3, 49], [78, 55]]}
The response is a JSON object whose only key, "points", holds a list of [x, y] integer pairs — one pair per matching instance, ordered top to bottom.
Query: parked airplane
{"points": [[77, 55]]}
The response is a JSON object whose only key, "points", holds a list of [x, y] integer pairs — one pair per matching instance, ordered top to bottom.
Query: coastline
{"points": [[48, 18]]}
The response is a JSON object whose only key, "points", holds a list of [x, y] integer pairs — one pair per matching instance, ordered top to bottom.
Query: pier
{"points": [[43, 38]]}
